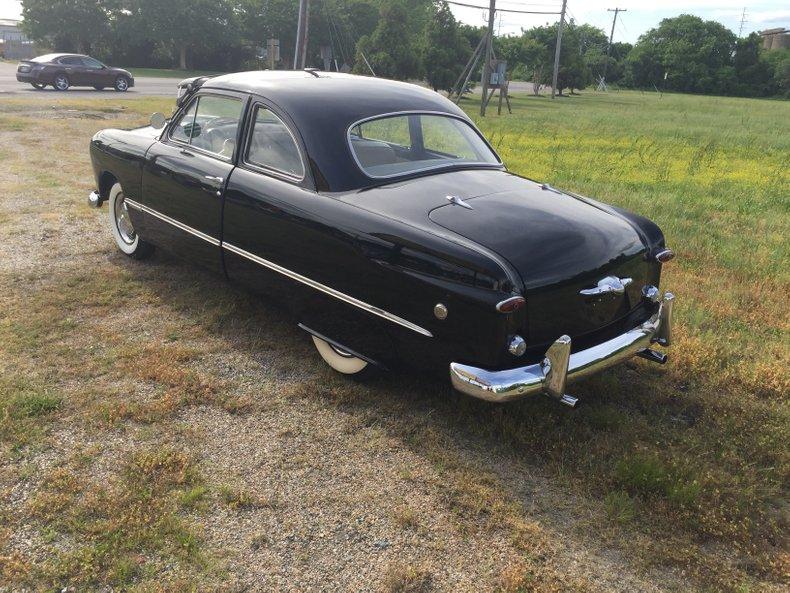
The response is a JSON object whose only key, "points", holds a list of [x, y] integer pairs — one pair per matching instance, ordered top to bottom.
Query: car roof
{"points": [[51, 57], [323, 105]]}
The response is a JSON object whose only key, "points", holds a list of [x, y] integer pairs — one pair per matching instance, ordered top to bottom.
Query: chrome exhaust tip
{"points": [[653, 356]]}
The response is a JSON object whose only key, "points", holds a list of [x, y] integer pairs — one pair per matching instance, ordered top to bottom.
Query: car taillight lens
{"points": [[24, 68], [665, 255], [510, 305]]}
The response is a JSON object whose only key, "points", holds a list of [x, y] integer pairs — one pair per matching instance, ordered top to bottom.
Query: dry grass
{"points": [[122, 384]]}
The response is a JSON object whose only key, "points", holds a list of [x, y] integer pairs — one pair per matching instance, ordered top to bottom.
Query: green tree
{"points": [[67, 25], [182, 26], [390, 48], [446, 49], [687, 50]]}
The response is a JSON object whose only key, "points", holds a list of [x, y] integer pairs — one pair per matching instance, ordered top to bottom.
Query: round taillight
{"points": [[665, 255], [510, 305]]}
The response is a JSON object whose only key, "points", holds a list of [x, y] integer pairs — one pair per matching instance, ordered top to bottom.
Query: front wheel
{"points": [[62, 82], [121, 84], [37, 85], [123, 231], [340, 360]]}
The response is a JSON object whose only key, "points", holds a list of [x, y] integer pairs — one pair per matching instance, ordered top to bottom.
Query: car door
{"points": [[74, 70], [96, 73], [185, 173], [282, 239]]}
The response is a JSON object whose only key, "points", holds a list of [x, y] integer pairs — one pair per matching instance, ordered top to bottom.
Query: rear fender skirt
{"points": [[343, 347]]}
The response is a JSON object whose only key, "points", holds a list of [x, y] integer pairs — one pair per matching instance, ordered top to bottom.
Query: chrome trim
{"points": [[465, 120], [266, 169], [94, 199], [172, 221], [667, 255], [606, 285], [327, 290], [651, 293], [337, 346], [517, 346], [551, 375]]}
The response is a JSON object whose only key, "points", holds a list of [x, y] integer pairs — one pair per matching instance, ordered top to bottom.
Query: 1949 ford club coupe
{"points": [[384, 220]]}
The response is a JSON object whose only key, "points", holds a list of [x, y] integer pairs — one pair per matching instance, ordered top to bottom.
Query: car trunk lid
{"points": [[560, 246]]}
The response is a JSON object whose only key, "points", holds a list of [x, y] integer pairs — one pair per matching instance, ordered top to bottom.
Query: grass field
{"points": [[163, 431]]}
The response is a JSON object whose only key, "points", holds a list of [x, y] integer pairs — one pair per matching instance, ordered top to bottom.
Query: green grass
{"points": [[169, 73], [682, 467]]}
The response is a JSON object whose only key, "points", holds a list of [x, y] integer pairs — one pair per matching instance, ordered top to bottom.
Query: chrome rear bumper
{"points": [[559, 366]]}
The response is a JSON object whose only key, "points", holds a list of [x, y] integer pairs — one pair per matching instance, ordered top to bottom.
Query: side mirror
{"points": [[158, 121]]}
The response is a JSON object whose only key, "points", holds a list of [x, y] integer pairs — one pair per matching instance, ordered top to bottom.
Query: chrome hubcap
{"points": [[61, 82], [121, 84], [122, 221]]}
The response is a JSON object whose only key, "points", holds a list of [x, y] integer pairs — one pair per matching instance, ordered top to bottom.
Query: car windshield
{"points": [[394, 145]]}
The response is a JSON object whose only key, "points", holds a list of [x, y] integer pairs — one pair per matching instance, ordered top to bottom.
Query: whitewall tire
{"points": [[122, 228], [340, 360]]}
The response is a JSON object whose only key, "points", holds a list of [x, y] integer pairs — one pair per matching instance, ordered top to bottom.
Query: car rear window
{"points": [[45, 58], [394, 145]]}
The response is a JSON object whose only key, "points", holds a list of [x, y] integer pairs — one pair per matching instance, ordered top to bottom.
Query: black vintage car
{"points": [[66, 70], [389, 226]]}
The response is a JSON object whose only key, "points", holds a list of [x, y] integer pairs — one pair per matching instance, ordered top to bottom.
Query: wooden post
{"points": [[557, 50], [487, 57]]}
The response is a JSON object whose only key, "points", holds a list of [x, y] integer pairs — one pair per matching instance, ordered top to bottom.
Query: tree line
{"points": [[404, 39]]}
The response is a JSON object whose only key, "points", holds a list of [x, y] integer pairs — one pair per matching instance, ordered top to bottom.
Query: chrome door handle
{"points": [[213, 178]]}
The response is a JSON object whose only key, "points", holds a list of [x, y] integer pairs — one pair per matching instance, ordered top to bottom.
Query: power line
{"points": [[454, 2]]}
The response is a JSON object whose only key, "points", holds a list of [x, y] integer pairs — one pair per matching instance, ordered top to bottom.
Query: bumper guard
{"points": [[560, 366]]}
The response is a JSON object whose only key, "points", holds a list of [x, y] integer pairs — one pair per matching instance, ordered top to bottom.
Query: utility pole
{"points": [[616, 11], [743, 21], [556, 50], [300, 51], [487, 55]]}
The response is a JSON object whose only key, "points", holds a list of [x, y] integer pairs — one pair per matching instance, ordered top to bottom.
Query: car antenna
{"points": [[313, 71]]}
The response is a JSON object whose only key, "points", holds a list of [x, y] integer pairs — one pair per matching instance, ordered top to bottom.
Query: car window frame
{"points": [[85, 59], [62, 63], [243, 98], [272, 171], [417, 172], [307, 181]]}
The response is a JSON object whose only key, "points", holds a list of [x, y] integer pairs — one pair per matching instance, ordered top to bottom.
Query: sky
{"points": [[638, 18]]}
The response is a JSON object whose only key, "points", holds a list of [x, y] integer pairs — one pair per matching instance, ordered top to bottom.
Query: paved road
{"points": [[144, 86]]}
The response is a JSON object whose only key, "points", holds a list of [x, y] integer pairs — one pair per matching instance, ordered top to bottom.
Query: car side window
{"points": [[71, 61], [92, 64], [211, 124], [272, 146]]}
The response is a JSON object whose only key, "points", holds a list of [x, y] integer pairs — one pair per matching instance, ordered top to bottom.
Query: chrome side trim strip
{"points": [[172, 221], [327, 290]]}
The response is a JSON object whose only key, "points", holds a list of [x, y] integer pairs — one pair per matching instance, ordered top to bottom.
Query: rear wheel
{"points": [[62, 82], [121, 84], [37, 85], [123, 230], [340, 360]]}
